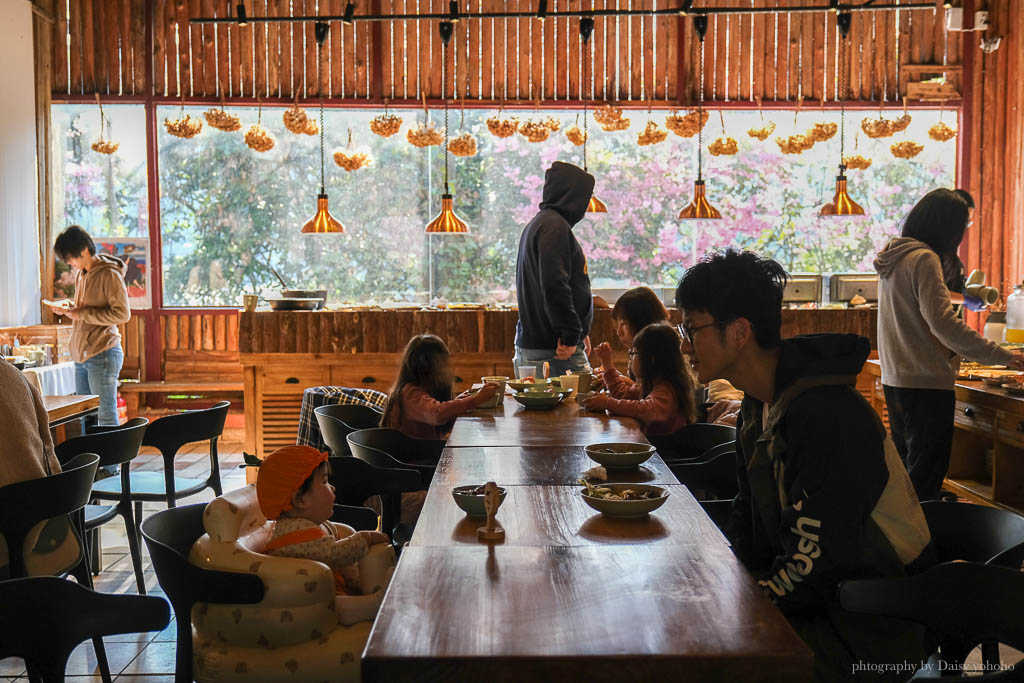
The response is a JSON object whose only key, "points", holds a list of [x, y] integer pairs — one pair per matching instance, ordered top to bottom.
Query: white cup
{"points": [[524, 371], [570, 382]]}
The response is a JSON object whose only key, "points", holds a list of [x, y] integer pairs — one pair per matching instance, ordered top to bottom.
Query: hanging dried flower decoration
{"points": [[607, 115], [221, 120], [297, 121], [901, 123], [553, 124], [385, 125], [686, 125], [184, 126], [502, 128], [876, 128], [766, 129], [534, 131], [822, 131], [940, 131], [763, 132], [425, 134], [574, 134], [651, 135], [258, 138], [464, 144], [794, 144], [724, 145], [103, 146], [907, 149], [348, 159], [856, 162]]}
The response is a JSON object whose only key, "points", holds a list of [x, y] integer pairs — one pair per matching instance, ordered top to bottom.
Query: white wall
{"points": [[19, 234]]}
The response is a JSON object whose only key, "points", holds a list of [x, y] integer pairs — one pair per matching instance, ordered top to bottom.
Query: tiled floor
{"points": [[142, 657]]}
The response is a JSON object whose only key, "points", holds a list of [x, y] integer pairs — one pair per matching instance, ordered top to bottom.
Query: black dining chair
{"points": [[336, 422], [168, 435], [692, 440], [116, 447], [391, 449], [709, 478], [355, 480], [58, 500], [356, 516], [976, 533], [169, 535], [961, 604], [43, 619]]}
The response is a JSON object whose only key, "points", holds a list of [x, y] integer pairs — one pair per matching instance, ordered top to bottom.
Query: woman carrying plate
{"points": [[919, 334]]}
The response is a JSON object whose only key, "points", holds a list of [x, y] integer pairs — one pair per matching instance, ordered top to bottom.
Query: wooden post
{"points": [[43, 17]]}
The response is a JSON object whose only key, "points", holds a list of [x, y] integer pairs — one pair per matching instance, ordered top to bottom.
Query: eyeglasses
{"points": [[687, 332], [631, 353]]}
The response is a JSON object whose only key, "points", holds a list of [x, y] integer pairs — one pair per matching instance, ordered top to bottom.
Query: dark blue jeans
{"points": [[921, 422]]}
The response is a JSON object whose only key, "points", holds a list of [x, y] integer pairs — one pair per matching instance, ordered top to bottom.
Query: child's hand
{"points": [[603, 352], [487, 391], [596, 402], [374, 537]]}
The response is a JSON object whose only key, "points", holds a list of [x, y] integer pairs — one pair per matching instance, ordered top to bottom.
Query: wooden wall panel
{"points": [[775, 57]]}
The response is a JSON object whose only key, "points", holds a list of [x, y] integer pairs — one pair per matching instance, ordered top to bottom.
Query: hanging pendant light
{"points": [[842, 204], [595, 205], [700, 207], [446, 221], [322, 222]]}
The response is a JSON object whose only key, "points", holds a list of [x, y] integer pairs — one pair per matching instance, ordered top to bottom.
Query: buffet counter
{"points": [[284, 352]]}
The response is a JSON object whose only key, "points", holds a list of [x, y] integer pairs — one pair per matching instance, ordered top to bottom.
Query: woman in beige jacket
{"points": [[101, 303]]}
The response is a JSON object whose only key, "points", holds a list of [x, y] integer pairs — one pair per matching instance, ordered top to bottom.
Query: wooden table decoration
{"points": [[492, 500]]}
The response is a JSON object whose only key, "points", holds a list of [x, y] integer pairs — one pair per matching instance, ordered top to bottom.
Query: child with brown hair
{"points": [[662, 399], [420, 403], [293, 489]]}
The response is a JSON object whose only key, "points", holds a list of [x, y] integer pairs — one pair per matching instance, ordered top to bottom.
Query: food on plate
{"points": [[606, 493]]}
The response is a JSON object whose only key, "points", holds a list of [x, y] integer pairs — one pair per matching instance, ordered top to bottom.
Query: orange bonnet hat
{"points": [[281, 474]]}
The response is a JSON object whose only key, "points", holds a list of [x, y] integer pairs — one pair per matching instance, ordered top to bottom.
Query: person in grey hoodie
{"points": [[101, 303], [556, 306], [919, 336]]}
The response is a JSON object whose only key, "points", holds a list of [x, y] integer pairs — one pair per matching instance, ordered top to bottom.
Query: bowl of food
{"points": [[528, 382], [538, 400], [620, 456], [471, 499], [623, 500]]}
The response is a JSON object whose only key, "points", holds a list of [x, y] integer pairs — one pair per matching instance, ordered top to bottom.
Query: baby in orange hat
{"points": [[293, 489]]}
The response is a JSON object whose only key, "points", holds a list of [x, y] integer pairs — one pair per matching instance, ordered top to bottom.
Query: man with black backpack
{"points": [[823, 495]]}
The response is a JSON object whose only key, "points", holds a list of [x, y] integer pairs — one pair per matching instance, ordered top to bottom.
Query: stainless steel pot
{"points": [[318, 294], [295, 304]]}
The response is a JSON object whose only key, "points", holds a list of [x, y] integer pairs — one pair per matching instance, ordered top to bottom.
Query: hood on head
{"points": [[567, 190], [894, 250], [109, 262], [812, 355]]}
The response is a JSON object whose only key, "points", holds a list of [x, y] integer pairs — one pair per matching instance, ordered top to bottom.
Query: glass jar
{"points": [[1015, 315]]}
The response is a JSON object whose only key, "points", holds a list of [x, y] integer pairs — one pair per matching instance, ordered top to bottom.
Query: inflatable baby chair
{"points": [[294, 633]]}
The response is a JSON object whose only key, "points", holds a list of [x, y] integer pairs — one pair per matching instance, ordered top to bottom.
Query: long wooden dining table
{"points": [[570, 594]]}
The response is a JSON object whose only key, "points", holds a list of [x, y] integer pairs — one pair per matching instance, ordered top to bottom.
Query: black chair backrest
{"points": [[355, 416], [171, 432], [334, 432], [692, 440], [114, 446], [405, 451], [716, 476], [355, 480], [26, 503], [718, 511], [358, 517], [976, 533], [169, 536], [1011, 557], [960, 603], [42, 619]]}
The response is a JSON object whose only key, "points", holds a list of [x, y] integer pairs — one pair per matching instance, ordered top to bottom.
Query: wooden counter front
{"points": [[284, 352], [987, 462]]}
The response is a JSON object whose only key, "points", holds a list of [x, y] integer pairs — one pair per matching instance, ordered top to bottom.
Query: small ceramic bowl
{"points": [[520, 385], [538, 401], [619, 456], [473, 503], [627, 508]]}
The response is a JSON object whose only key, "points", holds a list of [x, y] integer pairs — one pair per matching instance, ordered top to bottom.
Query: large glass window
{"points": [[229, 213]]}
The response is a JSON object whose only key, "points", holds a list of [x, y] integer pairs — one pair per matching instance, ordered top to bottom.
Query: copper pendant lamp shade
{"points": [[842, 204], [596, 205], [700, 207], [447, 222], [322, 223]]}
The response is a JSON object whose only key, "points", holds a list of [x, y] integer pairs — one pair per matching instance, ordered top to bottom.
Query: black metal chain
{"points": [[320, 90], [444, 96], [842, 103], [700, 115]]}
